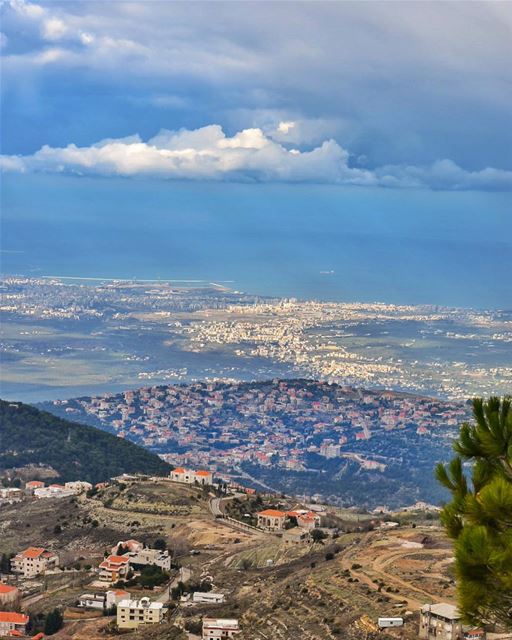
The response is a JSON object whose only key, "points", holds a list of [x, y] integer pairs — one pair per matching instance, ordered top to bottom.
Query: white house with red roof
{"points": [[189, 476], [34, 484], [272, 519], [34, 561], [114, 568], [12, 623]]}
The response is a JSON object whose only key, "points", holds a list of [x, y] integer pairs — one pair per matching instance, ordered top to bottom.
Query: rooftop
{"points": [[443, 609]]}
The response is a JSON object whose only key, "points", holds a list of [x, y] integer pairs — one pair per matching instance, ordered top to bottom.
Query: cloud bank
{"points": [[397, 82], [251, 155]]}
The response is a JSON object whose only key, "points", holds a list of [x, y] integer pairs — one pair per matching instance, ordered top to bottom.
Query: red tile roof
{"points": [[201, 472], [273, 513], [32, 552], [5, 588], [13, 617]]}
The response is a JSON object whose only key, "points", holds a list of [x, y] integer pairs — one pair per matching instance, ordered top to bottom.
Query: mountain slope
{"points": [[75, 451]]}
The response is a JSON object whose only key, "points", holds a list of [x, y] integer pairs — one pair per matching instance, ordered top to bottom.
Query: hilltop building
{"points": [[188, 476], [34, 561], [131, 614], [13, 624], [219, 628]]}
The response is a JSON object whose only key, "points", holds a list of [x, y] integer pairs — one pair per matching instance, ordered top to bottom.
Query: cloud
{"points": [[396, 82], [208, 153]]}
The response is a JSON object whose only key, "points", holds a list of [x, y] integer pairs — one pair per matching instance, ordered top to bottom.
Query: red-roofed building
{"points": [[188, 476], [34, 484], [272, 519], [34, 561], [114, 568], [9, 597], [12, 623]]}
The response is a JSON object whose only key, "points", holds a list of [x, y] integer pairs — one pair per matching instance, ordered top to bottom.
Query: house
{"points": [[187, 476], [34, 484], [78, 486], [54, 491], [11, 494], [272, 519], [305, 519], [295, 535], [144, 557], [34, 561], [114, 568], [9, 597], [208, 597], [104, 600], [131, 614], [440, 622], [12, 623], [219, 628], [474, 634]]}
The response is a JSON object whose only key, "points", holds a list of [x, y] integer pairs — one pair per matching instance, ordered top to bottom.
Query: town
{"points": [[161, 332], [283, 431]]}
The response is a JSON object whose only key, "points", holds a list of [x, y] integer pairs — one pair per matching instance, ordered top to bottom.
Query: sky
{"points": [[383, 94], [336, 104]]}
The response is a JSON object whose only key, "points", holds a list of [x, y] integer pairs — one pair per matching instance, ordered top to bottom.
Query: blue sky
{"points": [[372, 94]]}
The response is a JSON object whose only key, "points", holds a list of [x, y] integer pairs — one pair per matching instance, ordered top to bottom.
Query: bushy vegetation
{"points": [[75, 451], [479, 517]]}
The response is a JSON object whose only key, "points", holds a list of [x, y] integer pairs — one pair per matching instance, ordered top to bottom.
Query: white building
{"points": [[188, 476], [78, 486], [54, 491], [146, 557], [34, 561], [208, 597], [103, 600], [131, 614], [440, 622], [219, 628]]}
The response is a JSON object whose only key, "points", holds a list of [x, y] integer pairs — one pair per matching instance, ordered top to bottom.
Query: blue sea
{"points": [[320, 242]]}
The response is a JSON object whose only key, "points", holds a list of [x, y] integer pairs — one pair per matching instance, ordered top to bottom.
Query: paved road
{"points": [[215, 504], [184, 575]]}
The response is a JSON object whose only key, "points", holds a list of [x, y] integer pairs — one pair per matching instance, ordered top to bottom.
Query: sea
{"points": [[323, 242]]}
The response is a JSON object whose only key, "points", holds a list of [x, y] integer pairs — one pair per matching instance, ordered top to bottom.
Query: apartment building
{"points": [[131, 614]]}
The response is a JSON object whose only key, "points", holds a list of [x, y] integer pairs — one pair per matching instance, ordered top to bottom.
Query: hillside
{"points": [[29, 436], [349, 446]]}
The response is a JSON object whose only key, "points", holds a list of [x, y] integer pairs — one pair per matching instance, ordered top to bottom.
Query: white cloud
{"points": [[54, 29], [249, 155]]}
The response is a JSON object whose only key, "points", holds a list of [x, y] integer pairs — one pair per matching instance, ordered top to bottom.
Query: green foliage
{"points": [[75, 451], [479, 517], [318, 535], [151, 576], [53, 622]]}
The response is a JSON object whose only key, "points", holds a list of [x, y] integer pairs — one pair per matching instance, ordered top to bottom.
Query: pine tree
{"points": [[479, 516]]}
